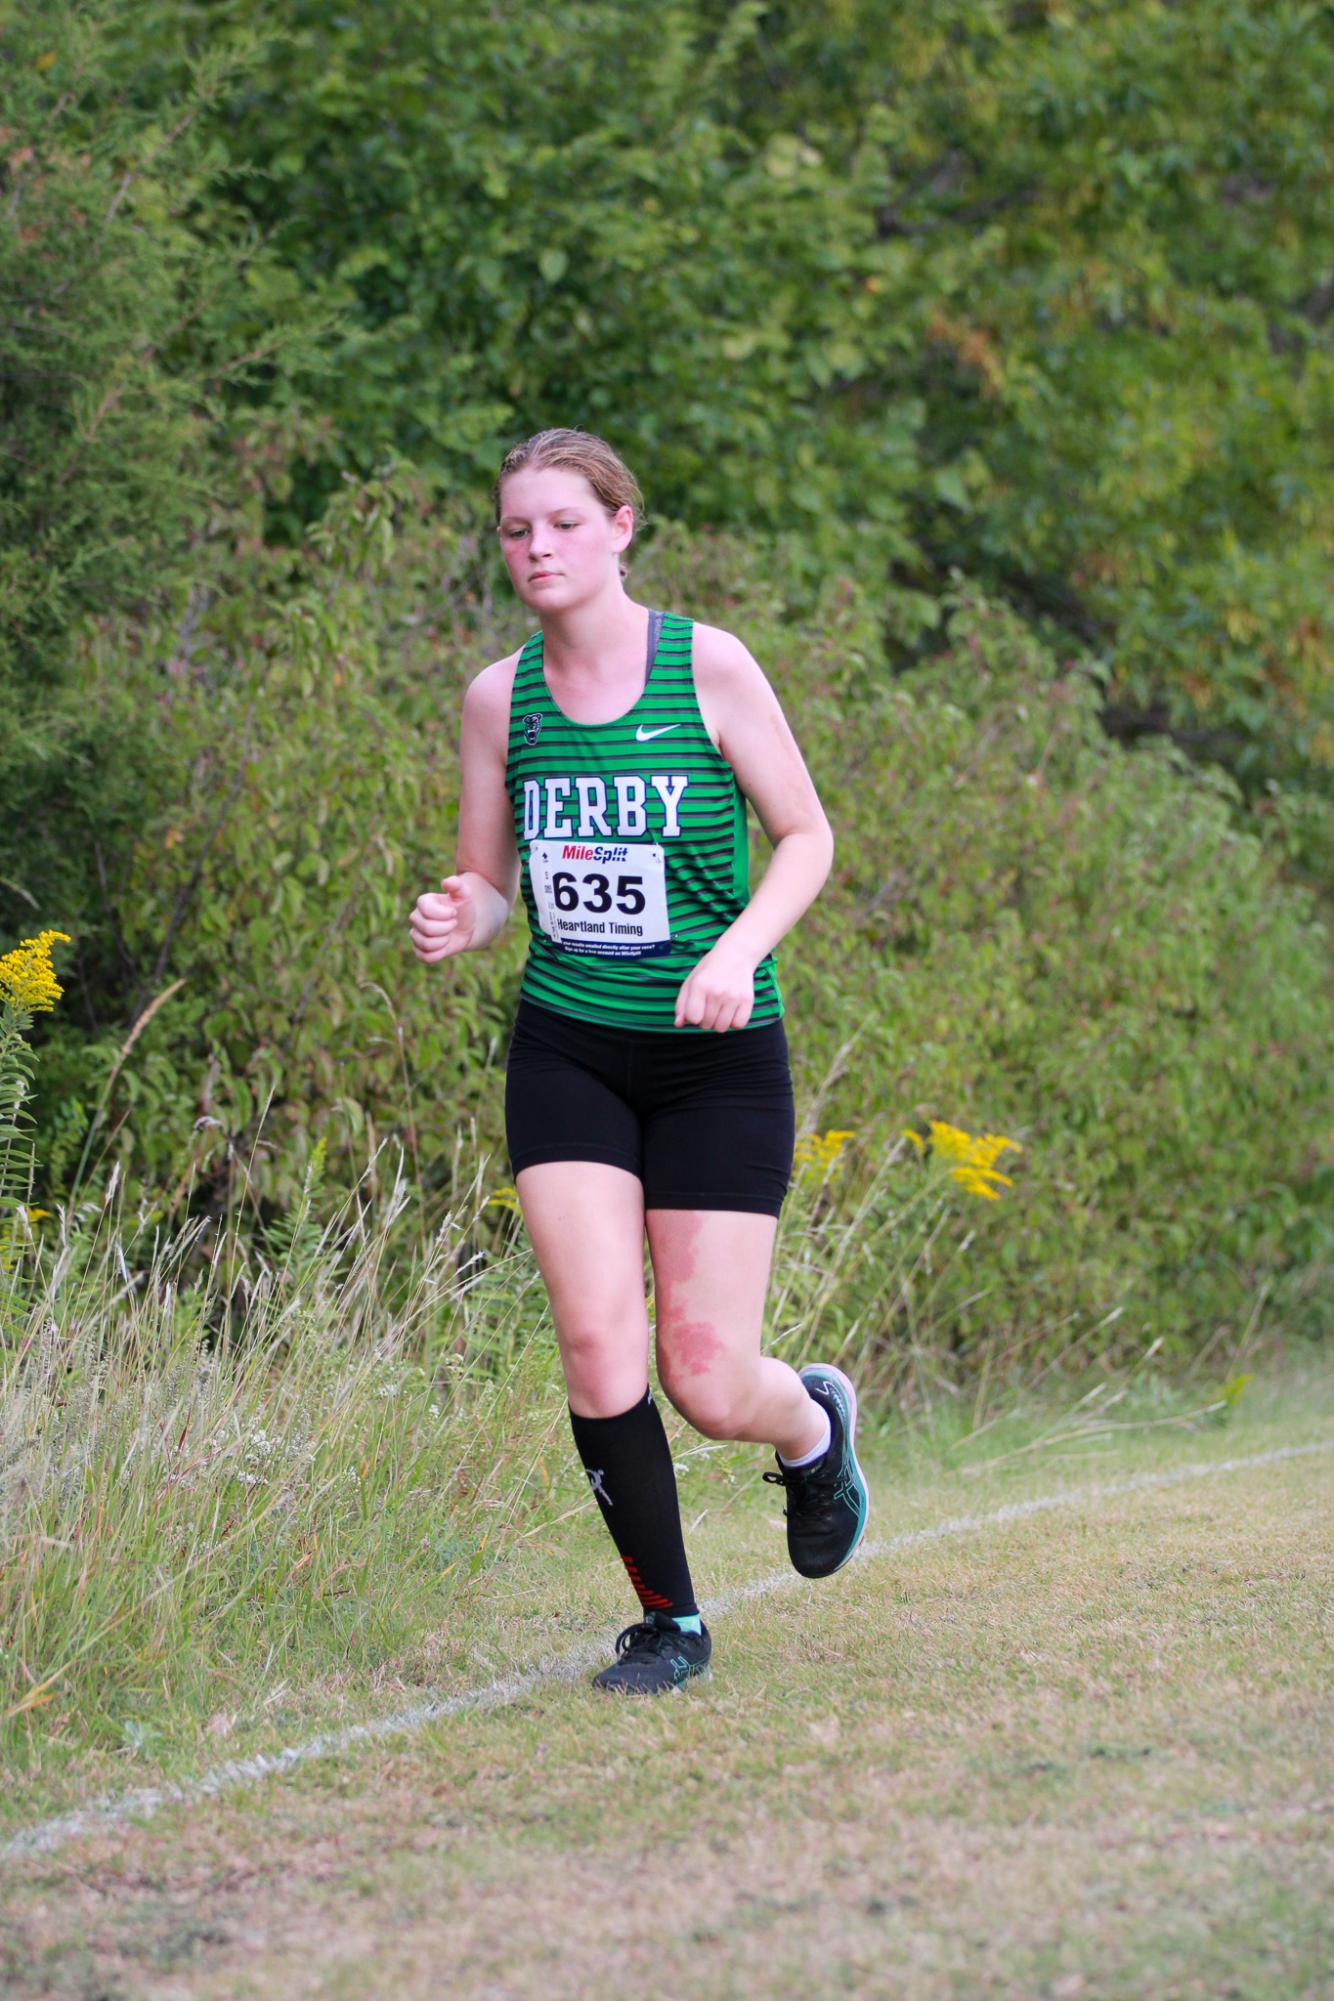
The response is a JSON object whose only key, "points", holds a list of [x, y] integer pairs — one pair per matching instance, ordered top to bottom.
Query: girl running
{"points": [[605, 770]]}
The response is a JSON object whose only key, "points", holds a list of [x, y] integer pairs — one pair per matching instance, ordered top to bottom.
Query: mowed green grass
{"points": [[1081, 1753]]}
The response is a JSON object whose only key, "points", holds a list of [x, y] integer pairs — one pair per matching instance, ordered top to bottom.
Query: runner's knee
{"points": [[605, 1361], [717, 1404]]}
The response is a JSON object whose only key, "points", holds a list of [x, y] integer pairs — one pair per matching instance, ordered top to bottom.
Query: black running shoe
{"points": [[827, 1503], [656, 1657]]}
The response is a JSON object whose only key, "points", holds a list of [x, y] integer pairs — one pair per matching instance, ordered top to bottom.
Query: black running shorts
{"points": [[706, 1121]]}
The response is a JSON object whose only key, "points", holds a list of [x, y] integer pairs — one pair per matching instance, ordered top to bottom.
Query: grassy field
{"points": [[1079, 1751]]}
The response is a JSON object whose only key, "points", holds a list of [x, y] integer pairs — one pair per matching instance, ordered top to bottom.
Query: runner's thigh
{"points": [[575, 1152], [586, 1222], [710, 1278]]}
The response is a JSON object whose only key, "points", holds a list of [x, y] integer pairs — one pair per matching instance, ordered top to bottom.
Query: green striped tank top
{"points": [[632, 839]]}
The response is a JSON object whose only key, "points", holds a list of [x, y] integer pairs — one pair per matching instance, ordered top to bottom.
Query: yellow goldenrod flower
{"points": [[27, 977], [816, 1154], [974, 1155], [504, 1198]]}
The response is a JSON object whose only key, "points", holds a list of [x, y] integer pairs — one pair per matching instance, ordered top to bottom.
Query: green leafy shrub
{"points": [[1032, 291], [125, 329], [1028, 931], [1033, 931]]}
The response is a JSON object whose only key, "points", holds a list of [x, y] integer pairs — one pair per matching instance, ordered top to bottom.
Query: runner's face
{"points": [[559, 543]]}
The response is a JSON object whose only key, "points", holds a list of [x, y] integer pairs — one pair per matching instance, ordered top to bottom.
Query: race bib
{"points": [[604, 897]]}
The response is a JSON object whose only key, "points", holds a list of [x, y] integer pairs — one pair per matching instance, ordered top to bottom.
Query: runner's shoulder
{"points": [[726, 671], [486, 700]]}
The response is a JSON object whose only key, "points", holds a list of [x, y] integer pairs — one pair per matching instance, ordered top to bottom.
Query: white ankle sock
{"points": [[809, 1458]]}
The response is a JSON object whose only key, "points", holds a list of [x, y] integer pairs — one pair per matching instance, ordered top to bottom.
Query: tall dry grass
{"points": [[246, 1447]]}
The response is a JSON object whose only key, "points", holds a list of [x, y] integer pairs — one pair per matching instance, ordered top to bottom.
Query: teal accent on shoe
{"points": [[833, 1389], [827, 1503], [687, 1622], [656, 1657]]}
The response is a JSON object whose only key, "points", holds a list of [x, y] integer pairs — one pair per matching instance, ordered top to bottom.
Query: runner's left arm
{"points": [[753, 735]]}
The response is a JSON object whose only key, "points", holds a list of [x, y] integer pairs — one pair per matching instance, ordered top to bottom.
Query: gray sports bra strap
{"points": [[654, 634]]}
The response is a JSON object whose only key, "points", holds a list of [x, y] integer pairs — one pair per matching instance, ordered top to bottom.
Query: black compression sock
{"points": [[629, 1466]]}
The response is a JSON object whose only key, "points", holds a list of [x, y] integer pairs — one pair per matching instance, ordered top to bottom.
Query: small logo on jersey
{"points": [[532, 728], [646, 736]]}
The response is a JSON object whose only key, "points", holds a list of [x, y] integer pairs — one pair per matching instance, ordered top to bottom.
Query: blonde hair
{"points": [[577, 451]]}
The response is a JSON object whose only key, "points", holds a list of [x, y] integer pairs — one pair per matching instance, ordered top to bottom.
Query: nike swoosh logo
{"points": [[646, 736]]}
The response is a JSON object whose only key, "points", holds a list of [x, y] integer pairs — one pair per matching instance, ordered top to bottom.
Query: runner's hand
{"points": [[444, 924], [719, 992]]}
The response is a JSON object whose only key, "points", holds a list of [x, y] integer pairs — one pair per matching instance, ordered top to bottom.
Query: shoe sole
{"points": [[821, 1372]]}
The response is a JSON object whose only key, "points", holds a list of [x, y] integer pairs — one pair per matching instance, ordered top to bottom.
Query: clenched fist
{"points": [[444, 924], [719, 992]]}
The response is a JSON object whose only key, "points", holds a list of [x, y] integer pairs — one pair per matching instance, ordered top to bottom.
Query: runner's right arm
{"points": [[471, 908]]}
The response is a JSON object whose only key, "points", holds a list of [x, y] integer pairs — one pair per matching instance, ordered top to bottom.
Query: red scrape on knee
{"points": [[695, 1346]]}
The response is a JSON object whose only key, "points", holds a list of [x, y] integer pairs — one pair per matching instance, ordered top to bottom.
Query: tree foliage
{"points": [[1040, 291], [123, 324], [976, 350], [1028, 929]]}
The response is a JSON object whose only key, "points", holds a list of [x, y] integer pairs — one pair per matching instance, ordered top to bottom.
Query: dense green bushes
{"points": [[1038, 291], [1033, 292], [905, 318], [124, 327], [1028, 930], [1032, 931]]}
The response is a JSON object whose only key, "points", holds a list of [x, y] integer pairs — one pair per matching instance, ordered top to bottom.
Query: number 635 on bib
{"points": [[608, 898]]}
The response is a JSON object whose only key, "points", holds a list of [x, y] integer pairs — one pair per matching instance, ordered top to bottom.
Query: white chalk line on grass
{"points": [[147, 1800]]}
